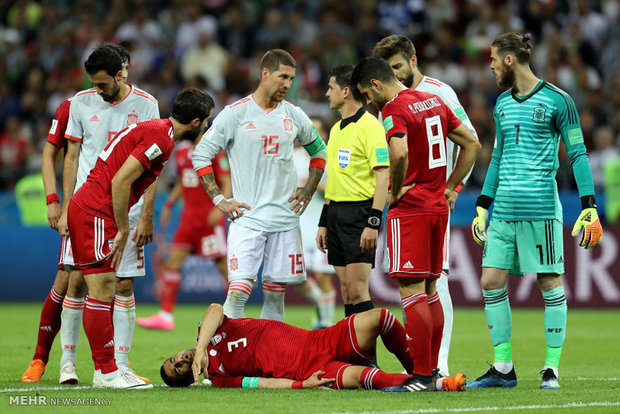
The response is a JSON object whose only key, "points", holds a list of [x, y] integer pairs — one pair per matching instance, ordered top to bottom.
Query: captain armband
{"points": [[249, 382]]}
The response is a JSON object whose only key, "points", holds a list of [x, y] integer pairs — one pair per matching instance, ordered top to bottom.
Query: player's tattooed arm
{"points": [[303, 195], [231, 207]]}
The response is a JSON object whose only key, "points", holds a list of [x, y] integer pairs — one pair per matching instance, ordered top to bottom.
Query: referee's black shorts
{"points": [[346, 221]]}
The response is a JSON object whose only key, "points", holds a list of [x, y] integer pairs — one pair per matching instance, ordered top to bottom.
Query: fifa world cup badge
{"points": [[539, 114]]}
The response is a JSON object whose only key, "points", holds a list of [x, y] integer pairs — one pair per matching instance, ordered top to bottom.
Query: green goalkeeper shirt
{"points": [[521, 175]]}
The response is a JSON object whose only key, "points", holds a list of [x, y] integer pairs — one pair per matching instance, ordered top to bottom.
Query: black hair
{"points": [[516, 44], [122, 52], [105, 58], [272, 59], [372, 68], [342, 74], [192, 103], [176, 383]]}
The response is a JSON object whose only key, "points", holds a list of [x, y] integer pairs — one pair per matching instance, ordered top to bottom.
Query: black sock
{"points": [[363, 306], [348, 309]]}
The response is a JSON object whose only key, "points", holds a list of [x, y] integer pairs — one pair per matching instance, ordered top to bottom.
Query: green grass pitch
{"points": [[589, 371]]}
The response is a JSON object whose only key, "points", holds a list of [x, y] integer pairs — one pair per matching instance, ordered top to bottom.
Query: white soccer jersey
{"points": [[447, 94], [95, 122], [260, 147]]}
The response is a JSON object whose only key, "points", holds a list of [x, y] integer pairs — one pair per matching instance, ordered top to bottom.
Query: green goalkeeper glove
{"points": [[478, 226], [592, 230]]}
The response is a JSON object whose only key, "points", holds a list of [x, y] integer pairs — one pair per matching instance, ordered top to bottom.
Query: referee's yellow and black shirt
{"points": [[356, 146]]}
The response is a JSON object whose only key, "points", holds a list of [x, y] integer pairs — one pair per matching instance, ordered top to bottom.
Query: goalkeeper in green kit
{"points": [[525, 233]]}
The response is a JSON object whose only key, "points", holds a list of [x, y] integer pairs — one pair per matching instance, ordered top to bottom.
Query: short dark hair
{"points": [[516, 44], [393, 45], [122, 52], [104, 58], [272, 59], [372, 68], [342, 74], [192, 103], [178, 382]]}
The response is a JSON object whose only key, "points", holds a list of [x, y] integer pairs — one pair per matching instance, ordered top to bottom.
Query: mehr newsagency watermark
{"points": [[44, 400]]}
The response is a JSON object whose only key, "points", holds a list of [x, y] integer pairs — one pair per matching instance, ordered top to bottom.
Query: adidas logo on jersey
{"points": [[94, 118], [250, 126], [408, 265], [46, 328], [109, 344]]}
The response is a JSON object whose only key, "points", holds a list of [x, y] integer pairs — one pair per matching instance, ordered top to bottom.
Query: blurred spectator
{"points": [[208, 60], [15, 148], [604, 151]]}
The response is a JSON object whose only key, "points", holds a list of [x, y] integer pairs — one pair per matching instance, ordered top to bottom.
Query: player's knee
{"points": [[124, 287]]}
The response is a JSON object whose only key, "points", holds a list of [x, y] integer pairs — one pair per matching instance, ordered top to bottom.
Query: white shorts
{"points": [[281, 251], [317, 261], [132, 263]]}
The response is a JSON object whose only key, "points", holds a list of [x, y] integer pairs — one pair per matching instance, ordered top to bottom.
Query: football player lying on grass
{"points": [[260, 353]]}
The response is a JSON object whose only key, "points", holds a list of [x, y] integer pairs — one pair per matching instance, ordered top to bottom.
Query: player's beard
{"points": [[506, 78], [408, 81], [116, 89], [378, 101], [193, 134]]}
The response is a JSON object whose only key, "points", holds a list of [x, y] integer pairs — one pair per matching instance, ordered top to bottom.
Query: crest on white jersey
{"points": [[132, 119], [288, 124], [153, 152], [344, 157]]}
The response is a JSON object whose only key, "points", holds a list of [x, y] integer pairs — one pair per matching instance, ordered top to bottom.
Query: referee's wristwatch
{"points": [[374, 219]]}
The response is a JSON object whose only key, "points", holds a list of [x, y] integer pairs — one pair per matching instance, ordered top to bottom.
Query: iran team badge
{"points": [[132, 119], [288, 124], [344, 157], [234, 264]]}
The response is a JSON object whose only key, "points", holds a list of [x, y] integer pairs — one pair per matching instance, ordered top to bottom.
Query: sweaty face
{"points": [[402, 69], [504, 75], [279, 82], [106, 86], [334, 94], [373, 96], [179, 366]]}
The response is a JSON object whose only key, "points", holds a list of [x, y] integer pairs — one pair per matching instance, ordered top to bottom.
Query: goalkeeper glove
{"points": [[478, 226], [592, 230]]}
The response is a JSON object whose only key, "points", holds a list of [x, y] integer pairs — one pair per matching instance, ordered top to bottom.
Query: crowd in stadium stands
{"points": [[215, 45]]}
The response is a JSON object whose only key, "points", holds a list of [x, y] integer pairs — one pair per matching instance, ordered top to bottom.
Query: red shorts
{"points": [[91, 239], [210, 242], [415, 246], [332, 350]]}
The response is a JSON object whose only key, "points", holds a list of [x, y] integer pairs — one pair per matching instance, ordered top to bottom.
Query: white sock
{"points": [[311, 291], [238, 294], [273, 306], [327, 308], [448, 319], [124, 321], [70, 327], [503, 367], [555, 370]]}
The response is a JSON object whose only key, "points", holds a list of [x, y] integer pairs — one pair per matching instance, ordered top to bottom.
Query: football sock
{"points": [[171, 281], [311, 291], [236, 298], [273, 305], [434, 305], [363, 306], [327, 308], [348, 309], [72, 310], [448, 318], [124, 320], [499, 321], [49, 324], [555, 324], [419, 327], [100, 334], [394, 338], [375, 379]]}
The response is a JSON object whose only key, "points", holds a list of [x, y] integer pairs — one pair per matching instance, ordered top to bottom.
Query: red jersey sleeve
{"points": [[393, 121], [56, 134], [220, 381]]}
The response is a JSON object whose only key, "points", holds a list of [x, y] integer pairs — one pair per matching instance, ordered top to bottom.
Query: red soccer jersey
{"points": [[426, 121], [56, 135], [150, 142], [196, 202], [247, 345]]}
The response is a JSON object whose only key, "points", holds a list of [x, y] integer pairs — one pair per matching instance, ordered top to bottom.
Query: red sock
{"points": [[171, 282], [437, 314], [49, 325], [419, 327], [100, 334], [394, 338], [375, 379]]}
